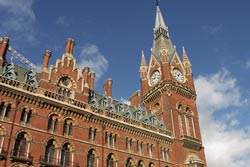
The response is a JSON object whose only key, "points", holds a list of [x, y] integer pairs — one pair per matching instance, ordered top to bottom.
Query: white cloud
{"points": [[17, 18], [62, 21], [213, 29], [90, 56], [247, 65], [125, 101], [234, 122], [224, 145]]}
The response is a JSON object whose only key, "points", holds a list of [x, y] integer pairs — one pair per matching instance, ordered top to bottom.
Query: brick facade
{"points": [[64, 122]]}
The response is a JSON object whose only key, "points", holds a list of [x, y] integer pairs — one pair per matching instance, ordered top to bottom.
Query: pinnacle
{"points": [[185, 57], [143, 60]]}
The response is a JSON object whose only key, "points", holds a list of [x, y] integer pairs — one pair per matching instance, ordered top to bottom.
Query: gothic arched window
{"points": [[7, 111], [25, 116], [180, 119], [53, 123], [187, 123], [67, 127], [92, 134], [20, 145], [49, 152], [65, 155], [91, 158], [110, 160], [129, 162], [140, 163], [151, 164]]}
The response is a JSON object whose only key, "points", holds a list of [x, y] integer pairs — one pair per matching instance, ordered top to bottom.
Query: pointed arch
{"points": [[22, 144], [50, 148], [65, 155], [91, 156], [110, 160], [129, 162], [140, 163], [151, 164]]}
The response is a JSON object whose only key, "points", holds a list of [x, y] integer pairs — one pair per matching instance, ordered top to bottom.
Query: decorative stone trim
{"points": [[168, 87]]}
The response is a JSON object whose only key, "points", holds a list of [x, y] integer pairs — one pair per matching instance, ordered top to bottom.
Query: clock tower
{"points": [[167, 90]]}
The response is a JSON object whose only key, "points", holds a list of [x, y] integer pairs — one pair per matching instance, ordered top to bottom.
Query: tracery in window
{"points": [[65, 86]]}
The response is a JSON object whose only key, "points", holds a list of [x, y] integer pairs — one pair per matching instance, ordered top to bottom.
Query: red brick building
{"points": [[55, 118]]}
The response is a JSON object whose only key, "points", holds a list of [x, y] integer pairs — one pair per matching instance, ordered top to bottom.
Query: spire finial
{"points": [[157, 2], [185, 56], [143, 60]]}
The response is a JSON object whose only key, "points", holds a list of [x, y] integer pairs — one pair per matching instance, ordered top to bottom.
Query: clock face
{"points": [[178, 76], [155, 77]]}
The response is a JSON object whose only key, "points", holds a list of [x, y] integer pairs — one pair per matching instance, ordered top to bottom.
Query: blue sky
{"points": [[112, 34]]}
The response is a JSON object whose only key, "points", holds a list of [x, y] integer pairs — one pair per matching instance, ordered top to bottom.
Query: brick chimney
{"points": [[70, 43], [4, 44], [46, 58], [85, 73], [92, 81], [107, 87], [135, 99]]}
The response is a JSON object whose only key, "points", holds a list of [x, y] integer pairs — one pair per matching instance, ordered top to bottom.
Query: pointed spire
{"points": [[159, 21], [161, 36], [185, 57], [143, 60], [143, 67]]}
